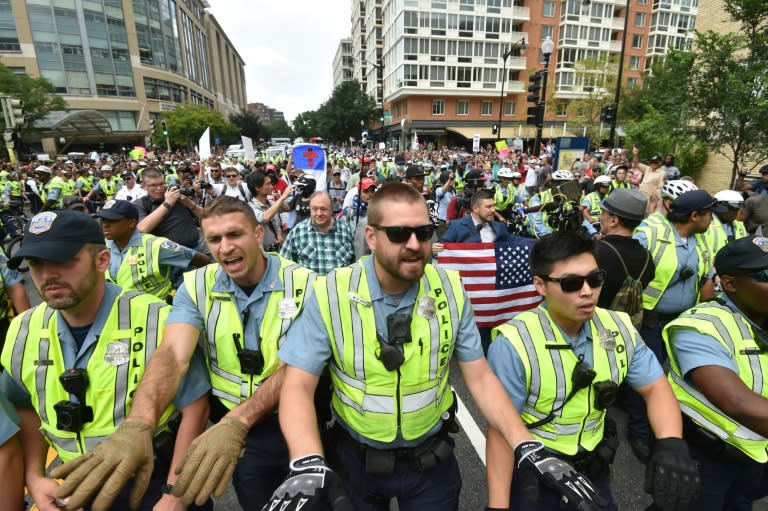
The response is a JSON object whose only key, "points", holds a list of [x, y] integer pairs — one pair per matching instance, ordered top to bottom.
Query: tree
{"points": [[597, 77], [729, 87], [36, 94], [339, 117], [187, 123], [249, 124], [305, 124], [279, 128]]}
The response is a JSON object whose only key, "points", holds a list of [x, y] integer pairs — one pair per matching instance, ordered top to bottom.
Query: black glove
{"points": [[536, 466], [671, 476], [311, 486]]}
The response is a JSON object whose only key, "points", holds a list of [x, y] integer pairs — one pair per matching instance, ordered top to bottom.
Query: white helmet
{"points": [[106, 168], [43, 169], [505, 172], [517, 175], [562, 175], [603, 180], [675, 189], [730, 197]]}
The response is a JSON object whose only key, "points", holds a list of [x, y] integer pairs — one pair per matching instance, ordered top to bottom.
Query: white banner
{"points": [[476, 144], [205, 145], [248, 148]]}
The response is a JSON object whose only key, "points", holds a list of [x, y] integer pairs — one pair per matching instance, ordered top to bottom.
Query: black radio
{"points": [[72, 416]]}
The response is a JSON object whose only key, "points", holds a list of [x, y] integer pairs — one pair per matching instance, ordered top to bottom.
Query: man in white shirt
{"points": [[232, 187], [130, 190]]}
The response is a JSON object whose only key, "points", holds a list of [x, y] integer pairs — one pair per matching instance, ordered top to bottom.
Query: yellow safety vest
{"points": [[55, 182], [87, 183], [616, 184], [108, 187], [69, 188], [16, 190], [500, 202], [595, 204], [716, 236], [661, 245], [140, 269], [223, 322], [735, 333], [35, 361], [549, 363], [371, 400]]}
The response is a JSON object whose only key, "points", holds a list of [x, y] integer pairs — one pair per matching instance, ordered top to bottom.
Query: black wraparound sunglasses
{"points": [[401, 234], [573, 283]]}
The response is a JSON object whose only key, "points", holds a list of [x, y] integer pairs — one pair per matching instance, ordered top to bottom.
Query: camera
{"points": [[205, 185], [187, 192], [390, 356], [251, 361], [605, 394], [71, 416]]}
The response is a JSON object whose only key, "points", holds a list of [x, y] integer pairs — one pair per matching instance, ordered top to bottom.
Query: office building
{"points": [[342, 62]]}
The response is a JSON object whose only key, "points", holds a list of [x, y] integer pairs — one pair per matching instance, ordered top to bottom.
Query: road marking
{"points": [[476, 437]]}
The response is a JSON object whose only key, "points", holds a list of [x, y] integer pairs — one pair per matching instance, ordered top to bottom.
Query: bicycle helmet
{"points": [[43, 169], [505, 172], [517, 175], [562, 175], [603, 181], [674, 189], [730, 198]]}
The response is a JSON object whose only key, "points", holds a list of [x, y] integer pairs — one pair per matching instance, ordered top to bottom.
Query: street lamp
{"points": [[519, 45], [547, 47], [380, 69]]}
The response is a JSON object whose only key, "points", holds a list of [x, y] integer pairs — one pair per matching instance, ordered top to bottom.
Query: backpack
{"points": [[629, 297]]}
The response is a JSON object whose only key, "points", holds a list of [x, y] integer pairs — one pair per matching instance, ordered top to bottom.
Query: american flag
{"points": [[496, 276]]}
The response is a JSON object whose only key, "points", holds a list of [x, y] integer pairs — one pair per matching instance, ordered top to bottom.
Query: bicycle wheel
{"points": [[12, 247]]}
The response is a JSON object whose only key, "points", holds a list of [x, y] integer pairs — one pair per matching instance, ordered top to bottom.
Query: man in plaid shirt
{"points": [[320, 243]]}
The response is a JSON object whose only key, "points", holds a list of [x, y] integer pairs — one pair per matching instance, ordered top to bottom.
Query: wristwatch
{"points": [[167, 205], [167, 488]]}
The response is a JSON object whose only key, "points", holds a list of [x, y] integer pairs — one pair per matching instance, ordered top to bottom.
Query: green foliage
{"points": [[598, 77], [36, 94], [339, 117], [187, 123], [249, 124], [305, 124], [279, 128]]}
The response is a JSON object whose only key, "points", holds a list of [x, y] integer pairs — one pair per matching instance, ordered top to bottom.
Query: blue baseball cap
{"points": [[697, 200], [117, 210]]}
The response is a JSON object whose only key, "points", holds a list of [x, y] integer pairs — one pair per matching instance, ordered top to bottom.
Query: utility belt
{"points": [[652, 319], [712, 445], [381, 462], [596, 463]]}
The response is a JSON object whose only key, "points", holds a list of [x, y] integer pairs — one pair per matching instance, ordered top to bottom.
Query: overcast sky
{"points": [[288, 48]]}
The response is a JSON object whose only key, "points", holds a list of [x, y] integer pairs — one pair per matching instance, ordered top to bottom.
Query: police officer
{"points": [[53, 186], [107, 186], [505, 194], [592, 202], [538, 224], [724, 227], [141, 261], [683, 277], [13, 296], [240, 309], [388, 326], [73, 364], [561, 365], [719, 366], [11, 458]]}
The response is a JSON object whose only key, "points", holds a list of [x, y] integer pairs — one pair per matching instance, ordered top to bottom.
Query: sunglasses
{"points": [[232, 175], [401, 234], [573, 283]]}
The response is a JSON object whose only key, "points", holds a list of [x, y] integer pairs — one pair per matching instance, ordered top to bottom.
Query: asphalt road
{"points": [[627, 473]]}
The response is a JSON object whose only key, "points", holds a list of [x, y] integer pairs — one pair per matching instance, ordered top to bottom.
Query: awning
{"points": [[80, 122], [485, 132]]}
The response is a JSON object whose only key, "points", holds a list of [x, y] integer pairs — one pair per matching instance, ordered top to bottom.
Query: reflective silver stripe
{"points": [[148, 253], [133, 267], [289, 291], [199, 292], [652, 292], [333, 311], [455, 318], [211, 324], [153, 331], [722, 331], [434, 332], [358, 333], [629, 337], [20, 343], [611, 354], [754, 361], [557, 362], [41, 372], [121, 375], [234, 378], [348, 380], [245, 388], [534, 390], [223, 395], [346, 400], [419, 400], [379, 404], [534, 412], [703, 421], [741, 431], [543, 433], [65, 444]]}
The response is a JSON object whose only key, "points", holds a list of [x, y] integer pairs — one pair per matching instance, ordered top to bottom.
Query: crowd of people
{"points": [[309, 319]]}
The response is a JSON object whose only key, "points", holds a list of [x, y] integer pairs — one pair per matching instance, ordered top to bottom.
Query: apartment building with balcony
{"points": [[342, 62]]}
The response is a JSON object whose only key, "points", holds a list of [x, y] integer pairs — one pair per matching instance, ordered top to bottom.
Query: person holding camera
{"points": [[266, 210], [683, 278], [239, 309], [387, 327], [74, 362], [561, 365]]}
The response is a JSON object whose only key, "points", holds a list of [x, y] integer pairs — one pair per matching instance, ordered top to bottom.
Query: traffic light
{"points": [[534, 89], [16, 113], [608, 114], [535, 115], [381, 117], [152, 127], [165, 128], [495, 129], [364, 139]]}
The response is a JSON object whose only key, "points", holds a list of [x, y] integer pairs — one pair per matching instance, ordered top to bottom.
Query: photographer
{"points": [[298, 202], [267, 211]]}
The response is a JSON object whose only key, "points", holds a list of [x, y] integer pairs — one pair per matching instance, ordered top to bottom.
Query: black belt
{"points": [[712, 445]]}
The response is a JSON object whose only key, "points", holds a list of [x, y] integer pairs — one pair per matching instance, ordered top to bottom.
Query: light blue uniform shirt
{"points": [[444, 198], [171, 254], [10, 277], [680, 295], [186, 312], [307, 345], [693, 349], [506, 363], [194, 385], [9, 420]]}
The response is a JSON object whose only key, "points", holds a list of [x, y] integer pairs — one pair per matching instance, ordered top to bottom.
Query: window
{"points": [[549, 9], [640, 19], [547, 30], [637, 41], [634, 63], [632, 83], [438, 107], [462, 107], [510, 107], [486, 108], [561, 110]]}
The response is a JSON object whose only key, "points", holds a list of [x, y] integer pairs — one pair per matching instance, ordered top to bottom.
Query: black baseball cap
{"points": [[414, 171], [697, 200], [117, 210], [57, 236], [743, 254]]}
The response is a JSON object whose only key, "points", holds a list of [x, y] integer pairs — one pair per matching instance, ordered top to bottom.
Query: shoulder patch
{"points": [[170, 245]]}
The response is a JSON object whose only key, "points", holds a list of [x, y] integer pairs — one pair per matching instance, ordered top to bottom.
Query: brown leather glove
{"points": [[210, 461], [108, 468]]}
